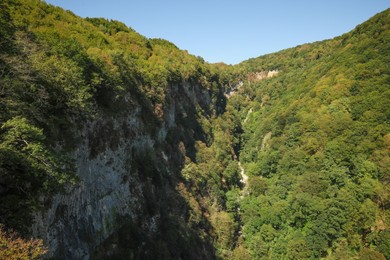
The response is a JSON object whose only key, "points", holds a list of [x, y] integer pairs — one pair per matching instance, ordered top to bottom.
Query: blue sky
{"points": [[232, 31]]}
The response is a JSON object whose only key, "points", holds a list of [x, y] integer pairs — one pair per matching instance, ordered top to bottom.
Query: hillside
{"points": [[96, 124], [113, 145], [316, 148]]}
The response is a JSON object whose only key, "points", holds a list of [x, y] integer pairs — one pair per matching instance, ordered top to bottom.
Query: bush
{"points": [[14, 247]]}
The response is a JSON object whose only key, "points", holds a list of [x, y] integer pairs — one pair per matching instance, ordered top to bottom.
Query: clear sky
{"points": [[232, 31]]}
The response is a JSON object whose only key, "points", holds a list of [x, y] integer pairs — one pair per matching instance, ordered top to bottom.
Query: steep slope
{"points": [[96, 124], [113, 145], [316, 149]]}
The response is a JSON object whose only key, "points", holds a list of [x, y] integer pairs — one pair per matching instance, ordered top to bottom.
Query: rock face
{"points": [[258, 76], [251, 78], [128, 167]]}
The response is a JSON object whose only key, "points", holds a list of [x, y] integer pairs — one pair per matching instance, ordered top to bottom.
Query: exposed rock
{"points": [[266, 139], [126, 168]]}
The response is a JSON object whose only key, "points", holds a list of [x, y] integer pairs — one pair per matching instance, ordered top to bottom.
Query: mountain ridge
{"points": [[115, 145]]}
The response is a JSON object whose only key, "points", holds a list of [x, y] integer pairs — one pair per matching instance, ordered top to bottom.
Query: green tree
{"points": [[6, 26], [28, 169], [382, 243], [297, 248], [369, 254]]}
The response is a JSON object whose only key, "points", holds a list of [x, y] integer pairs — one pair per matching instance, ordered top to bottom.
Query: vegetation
{"points": [[58, 72], [314, 139], [324, 168], [14, 248]]}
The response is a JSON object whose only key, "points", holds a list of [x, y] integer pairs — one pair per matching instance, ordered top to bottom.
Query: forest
{"points": [[288, 157]]}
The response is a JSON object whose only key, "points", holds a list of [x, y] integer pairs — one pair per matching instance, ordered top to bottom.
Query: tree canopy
{"points": [[309, 125]]}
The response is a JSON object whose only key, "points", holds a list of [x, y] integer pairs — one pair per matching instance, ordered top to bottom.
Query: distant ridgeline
{"points": [[113, 145]]}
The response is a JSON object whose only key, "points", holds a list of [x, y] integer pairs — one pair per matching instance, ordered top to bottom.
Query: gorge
{"points": [[116, 146]]}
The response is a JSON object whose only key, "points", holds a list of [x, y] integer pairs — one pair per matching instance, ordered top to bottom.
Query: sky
{"points": [[232, 31]]}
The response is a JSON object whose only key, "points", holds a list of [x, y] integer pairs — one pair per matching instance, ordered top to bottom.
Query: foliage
{"points": [[6, 26], [59, 71], [314, 138], [28, 169], [317, 181], [14, 247]]}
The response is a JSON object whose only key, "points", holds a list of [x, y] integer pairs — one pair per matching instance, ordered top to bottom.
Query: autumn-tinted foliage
{"points": [[59, 71], [314, 138], [325, 168], [13, 247]]}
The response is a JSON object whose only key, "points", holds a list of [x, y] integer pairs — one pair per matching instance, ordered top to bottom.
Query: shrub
{"points": [[14, 247]]}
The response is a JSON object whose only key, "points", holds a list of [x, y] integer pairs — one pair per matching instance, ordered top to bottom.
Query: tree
{"points": [[6, 26], [26, 142], [28, 168], [232, 175], [257, 185], [225, 229], [383, 243], [13, 247], [297, 248], [241, 253], [370, 254]]}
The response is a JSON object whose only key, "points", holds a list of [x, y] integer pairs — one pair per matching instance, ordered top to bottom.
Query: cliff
{"points": [[97, 122], [116, 146], [128, 172]]}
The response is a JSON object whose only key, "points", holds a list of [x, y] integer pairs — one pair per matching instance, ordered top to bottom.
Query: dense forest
{"points": [[284, 156]]}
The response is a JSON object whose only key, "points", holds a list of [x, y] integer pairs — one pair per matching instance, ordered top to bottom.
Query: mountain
{"points": [[113, 145], [316, 148]]}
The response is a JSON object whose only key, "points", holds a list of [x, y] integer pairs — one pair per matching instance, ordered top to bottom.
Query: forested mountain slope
{"points": [[96, 124], [113, 145], [316, 148]]}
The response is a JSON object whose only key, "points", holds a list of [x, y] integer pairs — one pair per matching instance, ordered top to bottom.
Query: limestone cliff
{"points": [[128, 171]]}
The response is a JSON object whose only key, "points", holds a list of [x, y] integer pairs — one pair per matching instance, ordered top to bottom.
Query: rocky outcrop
{"points": [[260, 75], [251, 78], [128, 167]]}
